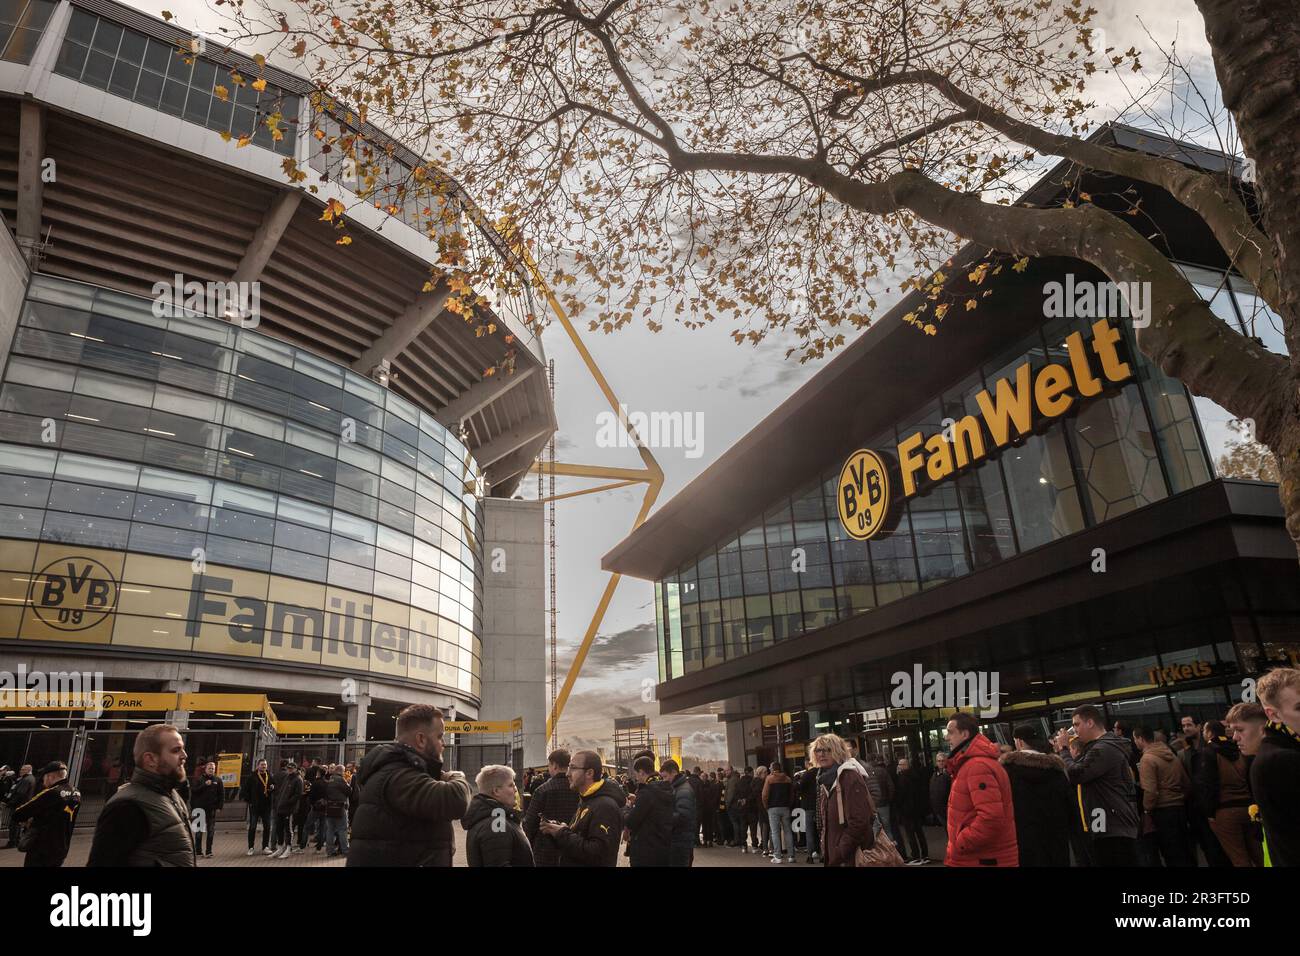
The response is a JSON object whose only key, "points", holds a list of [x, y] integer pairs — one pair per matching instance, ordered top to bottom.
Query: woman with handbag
{"points": [[846, 818]]}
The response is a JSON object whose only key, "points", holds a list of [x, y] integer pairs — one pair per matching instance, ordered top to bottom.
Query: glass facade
{"points": [[21, 24], [108, 56], [161, 436], [795, 569]]}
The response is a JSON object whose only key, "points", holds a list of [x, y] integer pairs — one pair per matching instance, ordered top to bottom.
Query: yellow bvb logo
{"points": [[863, 494]]}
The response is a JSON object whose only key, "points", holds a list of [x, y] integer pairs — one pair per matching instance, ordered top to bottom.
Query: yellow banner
{"points": [[69, 593], [108, 700], [231, 702], [482, 726], [310, 728], [229, 767]]}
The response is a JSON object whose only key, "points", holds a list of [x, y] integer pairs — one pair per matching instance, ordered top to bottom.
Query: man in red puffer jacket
{"points": [[981, 819]]}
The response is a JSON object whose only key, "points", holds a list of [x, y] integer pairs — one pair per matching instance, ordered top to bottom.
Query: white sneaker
{"points": [[250, 852], [269, 852], [284, 854], [776, 859], [789, 859]]}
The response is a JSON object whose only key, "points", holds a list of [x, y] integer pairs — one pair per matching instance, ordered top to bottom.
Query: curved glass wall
{"points": [[342, 514], [794, 569]]}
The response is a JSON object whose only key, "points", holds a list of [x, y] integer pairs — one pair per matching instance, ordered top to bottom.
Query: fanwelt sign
{"points": [[873, 483]]}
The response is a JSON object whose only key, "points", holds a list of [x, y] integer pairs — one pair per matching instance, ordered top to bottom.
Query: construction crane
{"points": [[651, 475]]}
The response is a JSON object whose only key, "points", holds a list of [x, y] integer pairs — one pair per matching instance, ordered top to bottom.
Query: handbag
{"points": [[882, 851]]}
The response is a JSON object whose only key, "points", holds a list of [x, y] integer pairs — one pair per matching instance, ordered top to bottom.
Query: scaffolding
{"points": [[550, 538], [632, 735]]}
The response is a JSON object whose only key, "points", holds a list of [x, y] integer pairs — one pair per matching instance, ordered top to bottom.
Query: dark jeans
{"points": [[737, 815], [254, 817], [710, 825], [210, 828], [315, 828], [726, 832], [915, 832], [1172, 837], [1208, 842], [1114, 851]]}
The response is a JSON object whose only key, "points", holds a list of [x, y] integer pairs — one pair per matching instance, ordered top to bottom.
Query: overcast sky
{"points": [[732, 387]]}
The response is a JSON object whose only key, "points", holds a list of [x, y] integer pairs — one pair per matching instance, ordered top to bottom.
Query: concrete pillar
{"points": [[31, 151], [14, 277], [514, 620], [180, 719], [355, 728], [736, 743]]}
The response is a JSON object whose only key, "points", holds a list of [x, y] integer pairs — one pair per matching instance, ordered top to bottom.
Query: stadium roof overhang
{"points": [[140, 196]]}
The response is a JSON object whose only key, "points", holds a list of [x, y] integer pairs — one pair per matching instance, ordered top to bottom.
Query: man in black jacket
{"points": [[1275, 773], [23, 789], [288, 791], [258, 794], [337, 794], [207, 797], [553, 800], [408, 803], [53, 812], [685, 814], [648, 817], [1047, 818], [146, 823], [593, 838]]}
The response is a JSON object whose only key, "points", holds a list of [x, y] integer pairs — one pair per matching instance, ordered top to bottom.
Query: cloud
{"points": [[628, 650]]}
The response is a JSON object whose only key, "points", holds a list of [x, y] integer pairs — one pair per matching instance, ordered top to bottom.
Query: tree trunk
{"points": [[1256, 46]]}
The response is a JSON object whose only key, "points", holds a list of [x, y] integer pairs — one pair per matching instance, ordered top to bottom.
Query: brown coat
{"points": [[1163, 780], [839, 841]]}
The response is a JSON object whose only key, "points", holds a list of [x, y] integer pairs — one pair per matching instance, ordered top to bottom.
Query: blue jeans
{"points": [[778, 819], [336, 826]]}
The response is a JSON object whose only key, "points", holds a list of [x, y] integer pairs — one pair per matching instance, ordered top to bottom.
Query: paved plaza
{"points": [[230, 846]]}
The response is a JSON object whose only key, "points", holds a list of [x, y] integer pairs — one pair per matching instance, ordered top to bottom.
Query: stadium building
{"points": [[267, 523], [1120, 550]]}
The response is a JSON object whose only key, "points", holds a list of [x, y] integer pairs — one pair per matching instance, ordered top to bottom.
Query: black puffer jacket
{"points": [[1104, 778], [1275, 783], [288, 793], [553, 800], [406, 811], [1046, 814], [686, 822], [650, 825], [493, 834], [593, 838]]}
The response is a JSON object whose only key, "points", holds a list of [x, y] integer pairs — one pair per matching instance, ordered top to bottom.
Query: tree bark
{"points": [[1256, 49]]}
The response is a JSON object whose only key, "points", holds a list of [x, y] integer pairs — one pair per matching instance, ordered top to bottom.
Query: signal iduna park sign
{"points": [[873, 484]]}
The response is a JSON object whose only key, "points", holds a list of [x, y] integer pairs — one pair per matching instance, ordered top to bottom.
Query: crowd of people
{"points": [[1227, 789]]}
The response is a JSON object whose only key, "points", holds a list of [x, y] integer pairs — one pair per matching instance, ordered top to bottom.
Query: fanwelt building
{"points": [[1022, 494], [297, 507]]}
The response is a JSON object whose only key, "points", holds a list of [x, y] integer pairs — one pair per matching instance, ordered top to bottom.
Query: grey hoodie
{"points": [[1104, 780]]}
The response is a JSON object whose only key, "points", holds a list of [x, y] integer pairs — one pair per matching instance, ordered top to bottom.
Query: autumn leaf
{"points": [[168, 16], [259, 84], [221, 93], [225, 135], [243, 141], [333, 210], [343, 241], [1020, 265], [970, 304]]}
